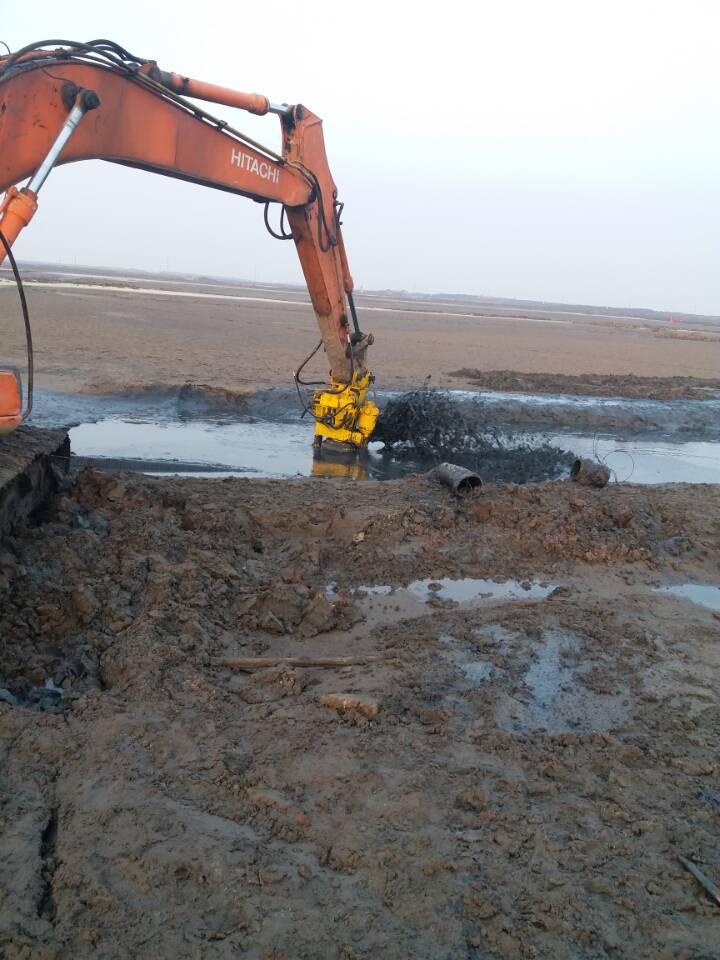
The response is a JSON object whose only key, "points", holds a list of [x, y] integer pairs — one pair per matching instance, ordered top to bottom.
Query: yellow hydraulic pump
{"points": [[343, 413]]}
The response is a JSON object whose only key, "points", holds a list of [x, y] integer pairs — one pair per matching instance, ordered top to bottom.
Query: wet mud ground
{"points": [[505, 727], [515, 776]]}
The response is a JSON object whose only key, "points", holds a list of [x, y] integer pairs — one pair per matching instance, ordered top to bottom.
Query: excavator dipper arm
{"points": [[95, 101]]}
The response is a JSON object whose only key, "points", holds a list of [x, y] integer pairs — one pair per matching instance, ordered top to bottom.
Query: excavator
{"points": [[62, 101]]}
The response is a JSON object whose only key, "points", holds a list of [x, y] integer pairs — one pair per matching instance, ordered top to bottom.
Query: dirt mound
{"points": [[592, 385], [188, 399], [432, 426]]}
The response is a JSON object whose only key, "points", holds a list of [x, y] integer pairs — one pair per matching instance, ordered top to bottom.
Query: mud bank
{"points": [[592, 384], [615, 416], [32, 466], [515, 778]]}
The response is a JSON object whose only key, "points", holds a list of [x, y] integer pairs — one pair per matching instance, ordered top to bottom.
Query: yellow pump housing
{"points": [[343, 413]]}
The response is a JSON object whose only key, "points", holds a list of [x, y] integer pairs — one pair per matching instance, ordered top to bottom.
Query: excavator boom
{"points": [[63, 102]]}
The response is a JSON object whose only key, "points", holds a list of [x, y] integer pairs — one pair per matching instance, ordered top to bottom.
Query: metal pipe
{"points": [[85, 100], [280, 108], [589, 473], [459, 479]]}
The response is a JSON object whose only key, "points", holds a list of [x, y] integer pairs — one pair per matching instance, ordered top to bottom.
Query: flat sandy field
{"points": [[141, 332]]}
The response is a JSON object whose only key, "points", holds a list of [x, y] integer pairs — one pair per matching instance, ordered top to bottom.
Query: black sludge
{"points": [[432, 426]]}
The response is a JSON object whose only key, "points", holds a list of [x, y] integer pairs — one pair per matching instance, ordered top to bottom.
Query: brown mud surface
{"points": [[241, 338], [592, 385], [517, 782]]}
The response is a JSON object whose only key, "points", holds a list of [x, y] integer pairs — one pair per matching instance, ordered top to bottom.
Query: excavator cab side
{"points": [[10, 399]]}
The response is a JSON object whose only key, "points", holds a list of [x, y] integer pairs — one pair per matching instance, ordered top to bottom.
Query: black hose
{"points": [[117, 49], [112, 52], [284, 234], [26, 318], [308, 358], [328, 421]]}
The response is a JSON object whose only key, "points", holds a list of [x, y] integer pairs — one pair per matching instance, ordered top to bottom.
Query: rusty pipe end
{"points": [[589, 473], [459, 479]]}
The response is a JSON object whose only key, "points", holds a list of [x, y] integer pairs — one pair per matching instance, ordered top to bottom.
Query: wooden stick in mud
{"points": [[260, 663], [709, 887]]}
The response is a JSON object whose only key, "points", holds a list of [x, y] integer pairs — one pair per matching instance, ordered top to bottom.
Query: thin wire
{"points": [[6, 47], [52, 75], [26, 319], [602, 458]]}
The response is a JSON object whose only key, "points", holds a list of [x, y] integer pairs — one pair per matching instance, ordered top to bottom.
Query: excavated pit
{"points": [[32, 464]]}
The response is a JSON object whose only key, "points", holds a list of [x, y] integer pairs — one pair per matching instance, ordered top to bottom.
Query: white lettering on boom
{"points": [[265, 170]]}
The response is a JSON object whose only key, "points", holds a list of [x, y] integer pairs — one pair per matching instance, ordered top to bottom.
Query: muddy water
{"points": [[176, 430], [245, 449], [278, 449], [648, 461], [471, 588], [464, 591], [702, 594], [383, 604], [550, 697]]}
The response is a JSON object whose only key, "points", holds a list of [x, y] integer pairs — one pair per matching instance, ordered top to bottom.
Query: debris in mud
{"points": [[433, 426], [589, 473], [459, 479], [346, 702], [708, 886]]}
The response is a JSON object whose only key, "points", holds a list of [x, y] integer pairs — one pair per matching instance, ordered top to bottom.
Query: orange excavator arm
{"points": [[96, 101]]}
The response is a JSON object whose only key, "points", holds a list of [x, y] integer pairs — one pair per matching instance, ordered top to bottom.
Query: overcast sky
{"points": [[551, 150]]}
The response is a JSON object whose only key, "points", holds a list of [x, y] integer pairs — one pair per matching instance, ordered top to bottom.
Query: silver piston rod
{"points": [[84, 101]]}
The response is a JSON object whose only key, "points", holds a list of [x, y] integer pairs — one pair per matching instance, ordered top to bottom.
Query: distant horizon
{"points": [[557, 153], [398, 292]]}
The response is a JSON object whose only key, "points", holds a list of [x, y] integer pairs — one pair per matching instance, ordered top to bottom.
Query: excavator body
{"points": [[62, 102], [11, 401]]}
